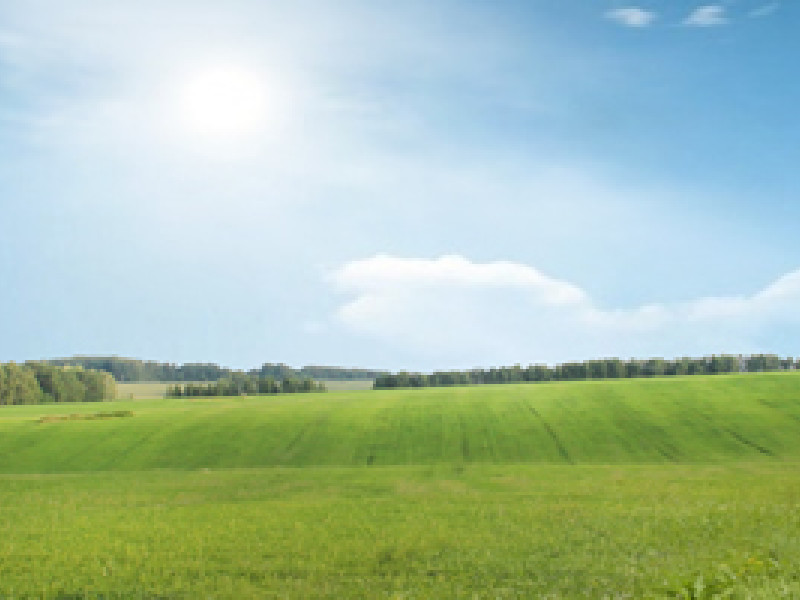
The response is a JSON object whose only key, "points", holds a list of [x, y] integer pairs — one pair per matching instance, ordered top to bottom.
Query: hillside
{"points": [[694, 419]]}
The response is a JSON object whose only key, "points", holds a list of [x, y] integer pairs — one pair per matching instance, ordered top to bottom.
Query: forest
{"points": [[609, 368], [131, 369], [39, 383], [243, 385]]}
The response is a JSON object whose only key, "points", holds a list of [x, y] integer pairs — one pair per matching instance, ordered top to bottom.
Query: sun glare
{"points": [[224, 102]]}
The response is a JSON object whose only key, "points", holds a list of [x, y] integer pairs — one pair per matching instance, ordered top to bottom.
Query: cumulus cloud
{"points": [[710, 15], [632, 16], [456, 272], [461, 312]]}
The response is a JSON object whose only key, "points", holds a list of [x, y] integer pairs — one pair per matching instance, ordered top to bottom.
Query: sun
{"points": [[223, 102]]}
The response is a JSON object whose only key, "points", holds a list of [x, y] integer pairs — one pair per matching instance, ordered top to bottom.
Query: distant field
{"points": [[347, 385], [156, 389], [142, 390], [620, 489]]}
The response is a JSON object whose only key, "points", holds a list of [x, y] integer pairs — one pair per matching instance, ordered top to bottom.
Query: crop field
{"points": [[627, 489]]}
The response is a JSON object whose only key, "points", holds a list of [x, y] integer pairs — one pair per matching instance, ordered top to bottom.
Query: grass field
{"points": [[689, 420], [627, 489], [498, 531]]}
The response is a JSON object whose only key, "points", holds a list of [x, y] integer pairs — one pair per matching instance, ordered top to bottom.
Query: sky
{"points": [[403, 185]]}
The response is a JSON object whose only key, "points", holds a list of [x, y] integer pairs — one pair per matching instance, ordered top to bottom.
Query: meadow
{"points": [[684, 487]]}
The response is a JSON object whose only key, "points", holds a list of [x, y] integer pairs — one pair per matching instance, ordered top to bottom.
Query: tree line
{"points": [[609, 368], [132, 369], [283, 371], [38, 383], [245, 385]]}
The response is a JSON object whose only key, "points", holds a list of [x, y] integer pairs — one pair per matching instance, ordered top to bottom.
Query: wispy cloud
{"points": [[765, 10], [711, 15], [632, 16], [466, 312]]}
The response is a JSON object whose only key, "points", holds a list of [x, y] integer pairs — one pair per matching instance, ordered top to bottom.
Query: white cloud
{"points": [[710, 15], [632, 16], [456, 272], [459, 312]]}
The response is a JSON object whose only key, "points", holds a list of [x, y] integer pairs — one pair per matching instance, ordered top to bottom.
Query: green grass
{"points": [[689, 420], [628, 489], [486, 531]]}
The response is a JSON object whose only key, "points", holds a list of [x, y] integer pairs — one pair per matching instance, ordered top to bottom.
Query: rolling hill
{"points": [[680, 420]]}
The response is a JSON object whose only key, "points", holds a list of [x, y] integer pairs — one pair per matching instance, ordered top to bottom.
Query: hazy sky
{"points": [[419, 184]]}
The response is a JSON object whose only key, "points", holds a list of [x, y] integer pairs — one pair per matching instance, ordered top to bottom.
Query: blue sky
{"points": [[398, 184]]}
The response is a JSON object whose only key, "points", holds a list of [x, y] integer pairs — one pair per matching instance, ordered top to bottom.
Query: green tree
{"points": [[19, 385]]}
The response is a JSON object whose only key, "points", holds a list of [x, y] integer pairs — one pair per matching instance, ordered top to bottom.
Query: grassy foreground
{"points": [[630, 489], [483, 531]]}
